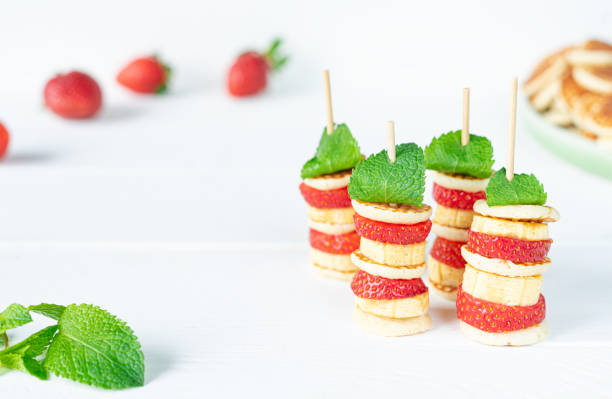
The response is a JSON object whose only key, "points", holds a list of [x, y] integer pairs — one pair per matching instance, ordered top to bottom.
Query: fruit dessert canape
{"points": [[460, 173], [330, 215], [393, 223], [499, 301]]}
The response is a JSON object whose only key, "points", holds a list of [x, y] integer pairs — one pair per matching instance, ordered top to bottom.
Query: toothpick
{"points": [[328, 102], [512, 130], [465, 131], [391, 141]]}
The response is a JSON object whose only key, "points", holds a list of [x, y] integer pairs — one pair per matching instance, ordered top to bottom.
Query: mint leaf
{"points": [[337, 151], [446, 154], [401, 182], [523, 189], [46, 309], [14, 316], [96, 348], [22, 356]]}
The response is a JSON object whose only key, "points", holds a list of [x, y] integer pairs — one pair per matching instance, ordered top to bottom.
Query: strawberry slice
{"points": [[338, 198], [456, 199], [392, 233], [334, 244], [512, 249], [448, 252], [368, 286], [495, 317]]}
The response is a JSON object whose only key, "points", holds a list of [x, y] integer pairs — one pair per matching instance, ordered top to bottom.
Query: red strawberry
{"points": [[249, 73], [145, 75], [74, 95], [4, 140], [337, 198], [457, 199], [392, 233], [334, 244], [513, 249], [448, 252], [368, 286], [495, 317]]}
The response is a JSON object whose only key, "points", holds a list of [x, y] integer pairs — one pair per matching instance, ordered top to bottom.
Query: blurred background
{"points": [[198, 167]]}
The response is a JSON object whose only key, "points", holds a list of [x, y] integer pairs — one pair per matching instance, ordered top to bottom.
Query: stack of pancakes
{"points": [[573, 88], [455, 196], [330, 218], [499, 301]]}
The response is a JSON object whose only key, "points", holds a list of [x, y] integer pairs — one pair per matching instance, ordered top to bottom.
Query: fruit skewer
{"points": [[460, 165], [324, 188], [393, 223], [500, 300]]}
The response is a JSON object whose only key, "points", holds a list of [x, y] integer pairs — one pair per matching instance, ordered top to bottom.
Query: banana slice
{"points": [[330, 181], [459, 182], [392, 213], [532, 213], [330, 215], [458, 218], [331, 228], [508, 228], [450, 233], [393, 254], [336, 262], [504, 267], [378, 269], [335, 274], [442, 274], [511, 291], [395, 308], [389, 327], [528, 336]]}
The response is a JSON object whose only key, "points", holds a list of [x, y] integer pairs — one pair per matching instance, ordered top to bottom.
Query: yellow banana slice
{"points": [[330, 181], [459, 182], [392, 213], [531, 213], [330, 215], [458, 218], [331, 228], [508, 228], [450, 233], [393, 254], [336, 262], [504, 267], [378, 269], [443, 274], [511, 291], [395, 308], [389, 327], [528, 336]]}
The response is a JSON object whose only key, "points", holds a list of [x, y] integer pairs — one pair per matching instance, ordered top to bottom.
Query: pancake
{"points": [[593, 52], [546, 72], [597, 79], [543, 99]]}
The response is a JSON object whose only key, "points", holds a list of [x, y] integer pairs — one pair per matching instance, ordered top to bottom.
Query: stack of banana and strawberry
{"points": [[460, 174], [330, 215], [393, 223], [499, 301]]}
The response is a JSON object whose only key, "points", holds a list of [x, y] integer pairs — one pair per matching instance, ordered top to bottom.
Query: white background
{"points": [[181, 213]]}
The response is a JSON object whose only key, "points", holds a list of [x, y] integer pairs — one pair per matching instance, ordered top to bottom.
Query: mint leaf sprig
{"points": [[336, 152], [446, 154], [523, 189], [87, 345]]}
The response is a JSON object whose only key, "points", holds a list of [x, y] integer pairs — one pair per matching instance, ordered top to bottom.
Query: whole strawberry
{"points": [[249, 73], [146, 75], [74, 95], [4, 140]]}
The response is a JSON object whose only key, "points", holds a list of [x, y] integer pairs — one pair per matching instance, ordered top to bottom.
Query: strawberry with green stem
{"points": [[145, 75]]}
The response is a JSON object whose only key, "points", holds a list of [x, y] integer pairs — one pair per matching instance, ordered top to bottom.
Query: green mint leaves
{"points": [[337, 151], [446, 154], [402, 182], [523, 189], [87, 345], [95, 348]]}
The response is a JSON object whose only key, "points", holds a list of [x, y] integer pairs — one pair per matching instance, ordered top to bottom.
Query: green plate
{"points": [[568, 145]]}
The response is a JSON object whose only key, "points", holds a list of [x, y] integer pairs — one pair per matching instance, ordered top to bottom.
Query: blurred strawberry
{"points": [[249, 73], [145, 75], [74, 95], [4, 140]]}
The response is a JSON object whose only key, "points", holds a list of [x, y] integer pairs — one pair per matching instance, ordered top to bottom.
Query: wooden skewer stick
{"points": [[328, 102], [465, 131], [512, 131], [391, 141]]}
